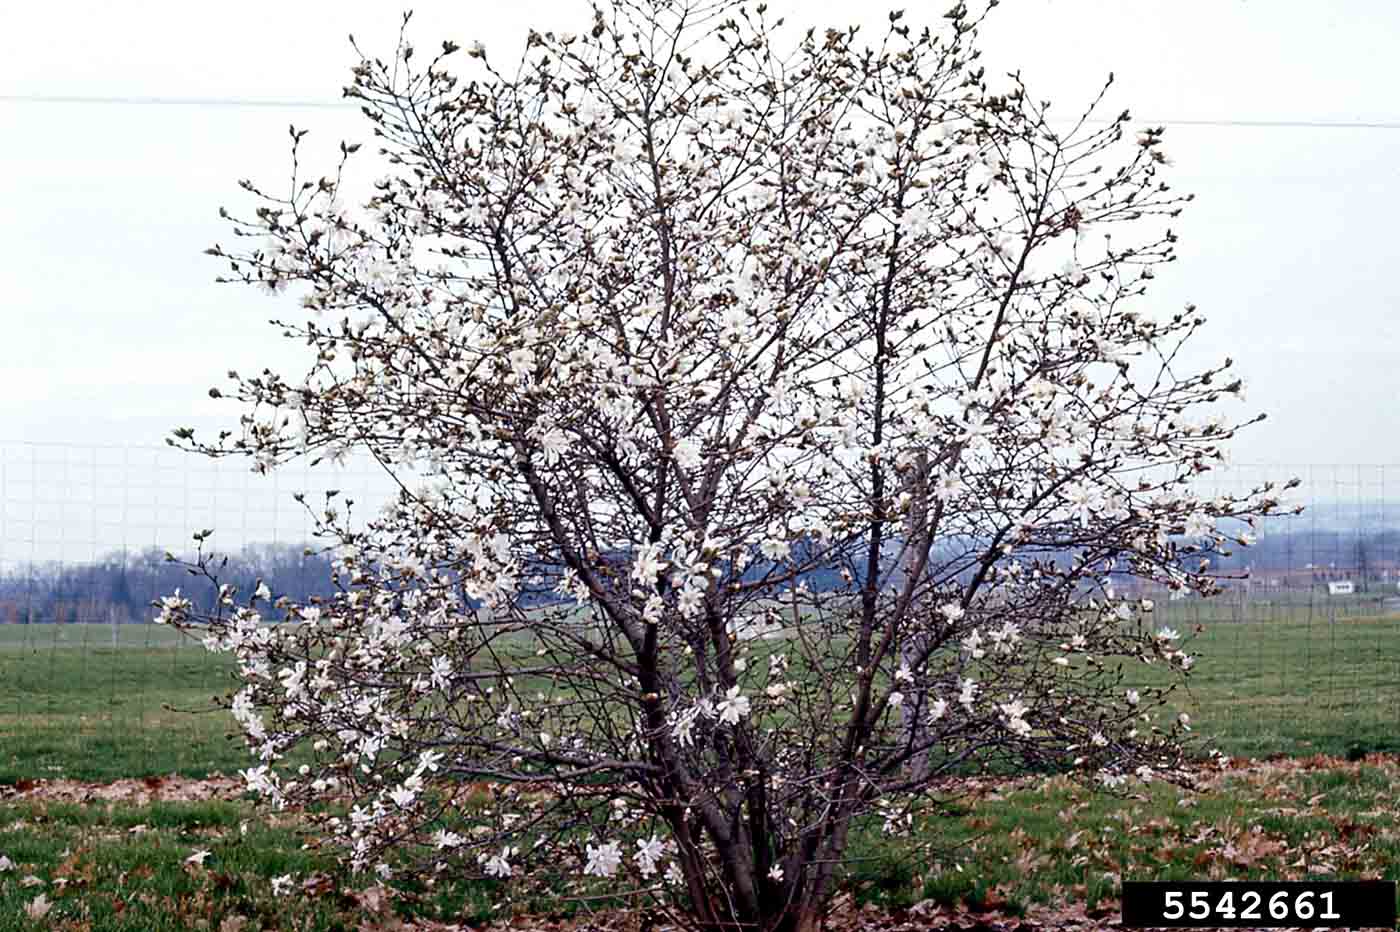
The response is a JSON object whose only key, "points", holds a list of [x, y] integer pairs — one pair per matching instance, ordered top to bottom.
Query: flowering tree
{"points": [[773, 426]]}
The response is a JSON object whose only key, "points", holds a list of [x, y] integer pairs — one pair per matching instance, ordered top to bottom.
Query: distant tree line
{"points": [[1369, 558], [119, 587]]}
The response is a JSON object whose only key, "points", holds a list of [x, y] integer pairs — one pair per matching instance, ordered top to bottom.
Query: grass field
{"points": [[1297, 687], [99, 702], [1036, 842], [1041, 848], [135, 867]]}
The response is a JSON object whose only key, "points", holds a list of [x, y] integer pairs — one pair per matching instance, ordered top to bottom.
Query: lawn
{"points": [[1295, 687], [98, 702], [94, 703], [1039, 843], [180, 854], [165, 859]]}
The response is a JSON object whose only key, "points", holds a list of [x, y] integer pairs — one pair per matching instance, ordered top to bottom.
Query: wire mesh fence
{"points": [[1299, 653], [89, 686]]}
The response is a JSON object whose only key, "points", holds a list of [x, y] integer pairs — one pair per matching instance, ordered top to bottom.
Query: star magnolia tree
{"points": [[773, 424]]}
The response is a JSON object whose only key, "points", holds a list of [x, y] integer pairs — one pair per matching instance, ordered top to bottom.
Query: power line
{"points": [[288, 104], [309, 104], [1275, 124]]}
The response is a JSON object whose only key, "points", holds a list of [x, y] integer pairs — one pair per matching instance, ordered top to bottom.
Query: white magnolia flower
{"points": [[522, 362], [554, 444], [687, 453], [946, 486], [1083, 501], [1199, 524], [774, 548], [648, 564], [690, 601], [173, 607], [654, 609], [973, 645], [441, 670], [968, 694], [1133, 697], [733, 706], [937, 709], [1014, 709], [1015, 712], [683, 728], [261, 780], [444, 839], [649, 851], [603, 860], [6, 864], [498, 865], [775, 873], [282, 885]]}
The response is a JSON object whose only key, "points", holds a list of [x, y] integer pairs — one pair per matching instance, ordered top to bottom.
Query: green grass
{"points": [[1295, 686], [96, 702], [74, 705], [1053, 842], [1014, 847], [124, 868]]}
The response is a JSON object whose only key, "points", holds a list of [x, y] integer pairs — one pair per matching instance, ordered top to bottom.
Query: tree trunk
{"points": [[913, 646], [809, 919]]}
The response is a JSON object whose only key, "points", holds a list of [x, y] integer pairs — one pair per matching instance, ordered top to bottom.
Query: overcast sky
{"points": [[124, 126]]}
